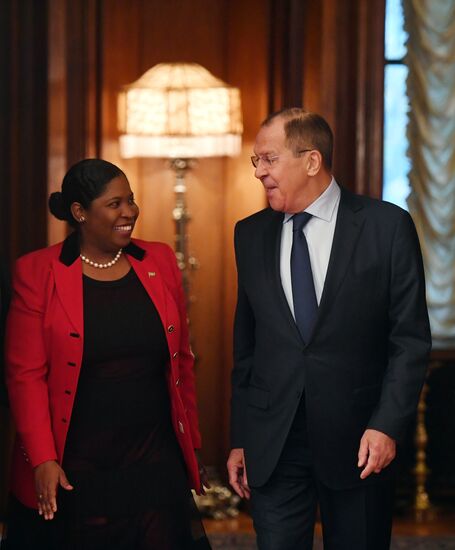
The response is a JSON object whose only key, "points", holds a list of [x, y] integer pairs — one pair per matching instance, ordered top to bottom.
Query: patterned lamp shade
{"points": [[179, 110]]}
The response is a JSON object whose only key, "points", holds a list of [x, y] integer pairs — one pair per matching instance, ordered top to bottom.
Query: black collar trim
{"points": [[71, 250]]}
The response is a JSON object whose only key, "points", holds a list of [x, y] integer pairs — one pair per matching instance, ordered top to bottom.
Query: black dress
{"points": [[130, 484]]}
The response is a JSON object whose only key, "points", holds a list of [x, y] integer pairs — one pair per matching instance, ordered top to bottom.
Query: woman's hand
{"points": [[202, 473], [48, 476]]}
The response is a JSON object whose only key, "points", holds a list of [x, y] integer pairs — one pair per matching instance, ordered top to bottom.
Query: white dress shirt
{"points": [[319, 235]]}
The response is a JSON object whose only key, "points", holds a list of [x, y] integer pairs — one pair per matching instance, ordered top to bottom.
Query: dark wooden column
{"points": [[286, 25], [84, 36], [327, 56], [343, 79], [74, 94], [370, 98], [23, 119]]}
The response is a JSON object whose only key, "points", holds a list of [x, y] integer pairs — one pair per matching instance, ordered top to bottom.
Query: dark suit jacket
{"points": [[365, 363]]}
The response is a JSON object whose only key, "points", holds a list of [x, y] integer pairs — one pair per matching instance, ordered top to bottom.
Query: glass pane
{"points": [[395, 36], [396, 163]]}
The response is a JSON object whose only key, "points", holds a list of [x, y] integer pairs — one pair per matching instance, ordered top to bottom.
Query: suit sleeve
{"points": [[409, 335], [244, 342], [186, 359], [27, 366]]}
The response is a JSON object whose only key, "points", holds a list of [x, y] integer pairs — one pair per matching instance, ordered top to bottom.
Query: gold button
{"points": [[152, 273], [170, 328], [175, 354], [177, 382], [181, 427]]}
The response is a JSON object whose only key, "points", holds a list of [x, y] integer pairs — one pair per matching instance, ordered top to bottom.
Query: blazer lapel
{"points": [[348, 227], [68, 283]]}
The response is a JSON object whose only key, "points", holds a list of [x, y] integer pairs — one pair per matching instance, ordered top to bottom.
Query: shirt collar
{"points": [[324, 206], [71, 249]]}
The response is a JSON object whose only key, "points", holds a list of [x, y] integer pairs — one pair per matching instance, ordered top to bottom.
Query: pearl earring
{"points": [[81, 219]]}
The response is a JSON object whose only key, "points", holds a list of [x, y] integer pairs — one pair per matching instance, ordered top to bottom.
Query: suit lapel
{"points": [[348, 227], [272, 250], [68, 284]]}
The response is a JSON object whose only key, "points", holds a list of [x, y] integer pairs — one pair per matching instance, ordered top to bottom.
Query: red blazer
{"points": [[44, 346]]}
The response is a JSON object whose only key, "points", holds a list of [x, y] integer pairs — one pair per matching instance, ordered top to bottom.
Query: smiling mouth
{"points": [[124, 228]]}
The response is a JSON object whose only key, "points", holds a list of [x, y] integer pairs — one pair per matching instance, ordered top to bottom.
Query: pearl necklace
{"points": [[102, 266]]}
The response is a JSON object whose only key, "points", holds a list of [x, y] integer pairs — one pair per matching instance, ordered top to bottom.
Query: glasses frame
{"points": [[256, 159]]}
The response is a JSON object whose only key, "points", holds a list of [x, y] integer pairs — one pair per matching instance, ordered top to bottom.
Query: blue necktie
{"points": [[303, 293]]}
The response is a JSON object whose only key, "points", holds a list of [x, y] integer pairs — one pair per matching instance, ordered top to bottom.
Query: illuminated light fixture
{"points": [[179, 111]]}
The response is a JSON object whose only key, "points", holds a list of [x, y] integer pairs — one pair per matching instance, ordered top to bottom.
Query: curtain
{"points": [[431, 132]]}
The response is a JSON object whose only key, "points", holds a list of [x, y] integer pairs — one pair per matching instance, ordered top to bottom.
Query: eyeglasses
{"points": [[269, 161]]}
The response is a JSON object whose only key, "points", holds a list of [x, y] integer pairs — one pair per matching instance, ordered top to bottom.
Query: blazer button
{"points": [[170, 328], [74, 335], [175, 354], [177, 382], [67, 392], [64, 420], [181, 428], [27, 459]]}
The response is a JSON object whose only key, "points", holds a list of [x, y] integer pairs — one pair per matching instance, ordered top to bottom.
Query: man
{"points": [[331, 342]]}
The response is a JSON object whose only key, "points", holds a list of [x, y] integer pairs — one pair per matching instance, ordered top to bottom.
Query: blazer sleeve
{"points": [[4, 304], [409, 335], [244, 343], [186, 357], [27, 364]]}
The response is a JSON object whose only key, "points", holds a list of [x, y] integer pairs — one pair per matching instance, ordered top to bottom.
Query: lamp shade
{"points": [[179, 110]]}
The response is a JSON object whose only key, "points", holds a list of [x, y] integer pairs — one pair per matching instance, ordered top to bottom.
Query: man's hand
{"points": [[376, 452], [237, 473], [48, 476]]}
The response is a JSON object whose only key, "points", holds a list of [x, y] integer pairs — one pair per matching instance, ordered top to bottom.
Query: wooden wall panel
{"points": [[160, 32], [279, 53], [325, 55], [285, 60], [6, 61], [120, 62], [248, 68], [343, 80], [74, 92], [370, 98], [58, 106], [23, 145]]}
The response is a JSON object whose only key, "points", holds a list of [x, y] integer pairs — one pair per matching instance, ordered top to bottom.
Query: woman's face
{"points": [[110, 218]]}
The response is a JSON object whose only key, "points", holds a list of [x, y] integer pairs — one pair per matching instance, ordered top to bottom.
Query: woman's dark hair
{"points": [[85, 181]]}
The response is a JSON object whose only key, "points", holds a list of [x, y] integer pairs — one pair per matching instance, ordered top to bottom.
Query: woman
{"points": [[100, 380]]}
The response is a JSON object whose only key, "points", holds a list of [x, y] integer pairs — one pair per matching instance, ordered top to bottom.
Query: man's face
{"points": [[283, 176]]}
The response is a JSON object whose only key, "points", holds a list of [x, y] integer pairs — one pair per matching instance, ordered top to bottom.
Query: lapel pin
{"points": [[152, 273]]}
